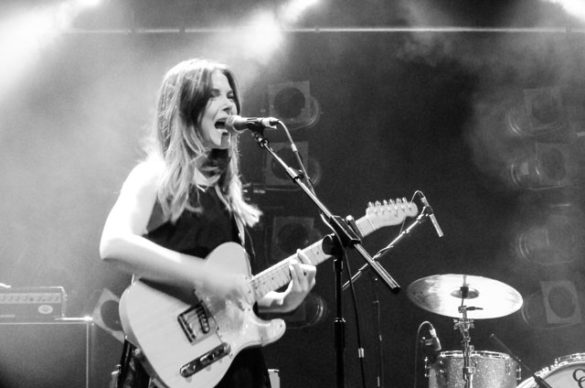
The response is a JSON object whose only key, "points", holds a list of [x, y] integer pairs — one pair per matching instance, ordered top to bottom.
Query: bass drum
{"points": [[492, 370], [565, 372]]}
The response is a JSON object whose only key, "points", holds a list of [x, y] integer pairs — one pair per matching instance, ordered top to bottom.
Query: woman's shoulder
{"points": [[146, 174]]}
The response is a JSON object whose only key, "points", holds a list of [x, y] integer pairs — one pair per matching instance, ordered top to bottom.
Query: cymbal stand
{"points": [[464, 324]]}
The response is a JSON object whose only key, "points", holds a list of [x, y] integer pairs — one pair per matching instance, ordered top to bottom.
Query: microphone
{"points": [[255, 124], [432, 216], [435, 342], [432, 346]]}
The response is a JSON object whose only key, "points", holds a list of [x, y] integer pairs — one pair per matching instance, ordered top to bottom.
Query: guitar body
{"points": [[191, 341]]}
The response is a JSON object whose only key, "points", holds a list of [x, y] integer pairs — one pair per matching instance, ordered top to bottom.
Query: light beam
{"points": [[574, 7]]}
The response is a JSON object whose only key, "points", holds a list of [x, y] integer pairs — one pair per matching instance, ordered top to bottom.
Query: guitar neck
{"points": [[279, 274]]}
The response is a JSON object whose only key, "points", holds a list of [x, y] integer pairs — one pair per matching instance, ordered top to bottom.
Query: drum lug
{"points": [[441, 371]]}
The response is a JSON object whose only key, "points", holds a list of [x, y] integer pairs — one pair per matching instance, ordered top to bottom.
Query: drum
{"points": [[492, 370], [565, 372]]}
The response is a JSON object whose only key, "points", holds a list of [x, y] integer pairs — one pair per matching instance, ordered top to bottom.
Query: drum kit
{"points": [[467, 298]]}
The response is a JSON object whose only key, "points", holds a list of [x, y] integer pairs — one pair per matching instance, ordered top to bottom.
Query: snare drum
{"points": [[492, 370], [565, 372]]}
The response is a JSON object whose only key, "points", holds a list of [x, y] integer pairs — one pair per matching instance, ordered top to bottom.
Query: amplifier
{"points": [[32, 304], [69, 352]]}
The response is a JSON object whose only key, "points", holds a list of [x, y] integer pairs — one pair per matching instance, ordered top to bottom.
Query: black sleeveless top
{"points": [[197, 234]]}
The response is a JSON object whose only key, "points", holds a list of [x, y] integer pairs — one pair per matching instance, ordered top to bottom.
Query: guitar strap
{"points": [[129, 373]]}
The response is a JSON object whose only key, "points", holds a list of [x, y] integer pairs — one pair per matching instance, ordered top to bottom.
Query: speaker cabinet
{"points": [[71, 353]]}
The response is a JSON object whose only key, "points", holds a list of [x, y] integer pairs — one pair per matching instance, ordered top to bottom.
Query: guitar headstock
{"points": [[391, 212]]}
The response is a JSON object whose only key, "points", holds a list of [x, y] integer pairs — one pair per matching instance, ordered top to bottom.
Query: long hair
{"points": [[178, 143]]}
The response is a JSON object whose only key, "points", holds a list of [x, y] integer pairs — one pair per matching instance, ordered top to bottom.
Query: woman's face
{"points": [[221, 105]]}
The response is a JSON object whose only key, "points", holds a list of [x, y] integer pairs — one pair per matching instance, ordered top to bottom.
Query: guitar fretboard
{"points": [[279, 274]]}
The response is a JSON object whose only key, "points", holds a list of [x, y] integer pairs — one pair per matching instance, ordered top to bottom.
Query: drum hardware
{"points": [[450, 295], [463, 325], [566, 371], [539, 381]]}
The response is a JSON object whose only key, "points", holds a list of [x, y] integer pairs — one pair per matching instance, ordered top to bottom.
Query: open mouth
{"points": [[220, 124], [220, 127]]}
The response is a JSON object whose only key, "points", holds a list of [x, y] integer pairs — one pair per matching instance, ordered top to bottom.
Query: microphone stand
{"points": [[424, 214], [342, 237], [379, 338]]}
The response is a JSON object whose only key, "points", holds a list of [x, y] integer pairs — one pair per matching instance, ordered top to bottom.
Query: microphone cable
{"points": [[295, 150], [416, 348]]}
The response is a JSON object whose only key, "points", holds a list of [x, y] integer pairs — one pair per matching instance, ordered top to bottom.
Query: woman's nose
{"points": [[229, 106]]}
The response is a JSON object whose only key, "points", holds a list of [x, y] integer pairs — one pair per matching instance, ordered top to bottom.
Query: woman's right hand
{"points": [[230, 287]]}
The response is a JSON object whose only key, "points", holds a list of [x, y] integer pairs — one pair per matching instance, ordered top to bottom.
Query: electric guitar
{"points": [[189, 341]]}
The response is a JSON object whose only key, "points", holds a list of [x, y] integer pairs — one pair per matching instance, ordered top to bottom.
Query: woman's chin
{"points": [[220, 142], [224, 143]]}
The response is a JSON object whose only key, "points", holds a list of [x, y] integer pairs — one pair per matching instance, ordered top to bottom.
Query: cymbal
{"points": [[484, 298]]}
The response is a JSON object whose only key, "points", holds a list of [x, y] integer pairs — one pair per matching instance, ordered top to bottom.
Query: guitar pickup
{"points": [[194, 322], [205, 360]]}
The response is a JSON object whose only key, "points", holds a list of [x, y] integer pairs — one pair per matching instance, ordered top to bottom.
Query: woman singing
{"points": [[184, 200]]}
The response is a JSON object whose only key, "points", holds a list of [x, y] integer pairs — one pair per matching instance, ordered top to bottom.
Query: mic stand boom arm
{"points": [[405, 233], [343, 236], [347, 237]]}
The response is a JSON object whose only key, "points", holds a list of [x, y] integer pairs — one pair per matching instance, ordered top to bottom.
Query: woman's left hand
{"points": [[303, 274]]}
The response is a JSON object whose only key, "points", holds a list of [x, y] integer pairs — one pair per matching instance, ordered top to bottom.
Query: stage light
{"points": [[88, 3], [574, 7], [292, 11], [261, 36], [21, 38], [292, 103], [546, 113], [542, 116], [542, 166], [275, 176], [290, 233], [558, 240], [561, 302], [557, 304], [106, 316]]}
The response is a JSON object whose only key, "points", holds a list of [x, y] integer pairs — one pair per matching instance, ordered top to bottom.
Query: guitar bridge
{"points": [[194, 320], [205, 360]]}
